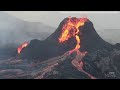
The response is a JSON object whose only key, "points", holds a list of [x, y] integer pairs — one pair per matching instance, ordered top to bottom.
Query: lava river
{"points": [[71, 29]]}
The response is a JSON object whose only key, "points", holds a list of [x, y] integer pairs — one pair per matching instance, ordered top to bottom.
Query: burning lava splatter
{"points": [[71, 29], [25, 44]]}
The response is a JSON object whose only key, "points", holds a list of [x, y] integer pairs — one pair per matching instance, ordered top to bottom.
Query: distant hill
{"points": [[14, 30], [110, 35]]}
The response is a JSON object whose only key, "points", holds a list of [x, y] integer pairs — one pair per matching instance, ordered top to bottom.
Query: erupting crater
{"points": [[71, 29]]}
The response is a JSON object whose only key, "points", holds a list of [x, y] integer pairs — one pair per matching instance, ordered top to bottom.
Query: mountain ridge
{"points": [[14, 30]]}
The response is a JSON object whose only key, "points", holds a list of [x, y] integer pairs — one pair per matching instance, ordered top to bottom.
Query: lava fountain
{"points": [[71, 29]]}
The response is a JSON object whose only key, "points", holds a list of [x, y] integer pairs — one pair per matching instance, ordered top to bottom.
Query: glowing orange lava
{"points": [[71, 29], [22, 46]]}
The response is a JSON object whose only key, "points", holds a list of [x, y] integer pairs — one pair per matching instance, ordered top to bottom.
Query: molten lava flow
{"points": [[69, 30], [22, 46], [78, 63]]}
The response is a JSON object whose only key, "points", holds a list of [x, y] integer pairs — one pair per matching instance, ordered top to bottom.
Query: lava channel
{"points": [[72, 25]]}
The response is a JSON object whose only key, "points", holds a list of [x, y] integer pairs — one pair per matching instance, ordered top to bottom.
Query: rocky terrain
{"points": [[49, 59], [102, 64]]}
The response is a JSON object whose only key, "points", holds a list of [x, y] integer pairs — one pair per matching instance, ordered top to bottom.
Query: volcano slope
{"points": [[51, 47], [79, 54]]}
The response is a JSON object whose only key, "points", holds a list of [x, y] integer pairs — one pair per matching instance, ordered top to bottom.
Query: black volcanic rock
{"points": [[90, 40], [117, 46], [50, 47], [39, 49], [101, 64], [66, 71]]}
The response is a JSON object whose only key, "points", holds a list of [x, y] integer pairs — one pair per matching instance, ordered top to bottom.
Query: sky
{"points": [[101, 19]]}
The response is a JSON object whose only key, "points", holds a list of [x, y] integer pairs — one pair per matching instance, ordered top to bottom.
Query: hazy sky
{"points": [[101, 19]]}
